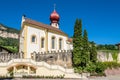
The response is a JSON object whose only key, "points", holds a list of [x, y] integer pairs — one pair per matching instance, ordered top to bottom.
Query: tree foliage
{"points": [[9, 43], [77, 43], [107, 47], [85, 52], [93, 52]]}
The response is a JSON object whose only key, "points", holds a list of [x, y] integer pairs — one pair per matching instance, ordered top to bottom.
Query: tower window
{"points": [[33, 39], [53, 42], [42, 43], [60, 44]]}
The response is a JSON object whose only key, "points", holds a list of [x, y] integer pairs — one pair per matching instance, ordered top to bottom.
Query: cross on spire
{"points": [[54, 6]]}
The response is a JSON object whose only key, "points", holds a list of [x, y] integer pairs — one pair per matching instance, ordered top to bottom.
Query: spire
{"points": [[54, 6], [54, 18]]}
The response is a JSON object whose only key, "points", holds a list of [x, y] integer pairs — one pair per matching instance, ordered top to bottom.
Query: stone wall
{"points": [[104, 56], [6, 57], [62, 57]]}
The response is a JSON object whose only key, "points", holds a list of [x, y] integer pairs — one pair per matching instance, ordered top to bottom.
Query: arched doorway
{"points": [[21, 69]]}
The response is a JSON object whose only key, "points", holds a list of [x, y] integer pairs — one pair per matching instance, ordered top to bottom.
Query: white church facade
{"points": [[39, 37]]}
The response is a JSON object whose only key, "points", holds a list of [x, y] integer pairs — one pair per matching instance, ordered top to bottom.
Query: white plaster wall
{"points": [[57, 37], [21, 41], [70, 46], [31, 47], [42, 68], [3, 71], [55, 72]]}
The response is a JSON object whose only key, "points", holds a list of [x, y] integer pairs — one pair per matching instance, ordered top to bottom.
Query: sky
{"points": [[101, 18]]}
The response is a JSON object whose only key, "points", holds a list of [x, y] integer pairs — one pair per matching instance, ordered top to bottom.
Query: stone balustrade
{"points": [[32, 62]]}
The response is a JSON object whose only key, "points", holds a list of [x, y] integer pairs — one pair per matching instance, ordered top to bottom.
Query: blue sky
{"points": [[101, 18]]}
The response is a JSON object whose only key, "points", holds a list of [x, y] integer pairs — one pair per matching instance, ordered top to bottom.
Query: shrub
{"points": [[112, 64], [91, 67], [100, 67], [78, 69]]}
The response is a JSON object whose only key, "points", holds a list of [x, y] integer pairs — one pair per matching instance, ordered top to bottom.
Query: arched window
{"points": [[33, 39], [53, 42], [42, 43], [60, 44], [32, 56]]}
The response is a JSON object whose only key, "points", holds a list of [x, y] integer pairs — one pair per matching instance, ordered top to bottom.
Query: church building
{"points": [[38, 37], [44, 50]]}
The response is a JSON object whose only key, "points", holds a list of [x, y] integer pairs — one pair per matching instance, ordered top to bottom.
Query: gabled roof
{"points": [[45, 26], [70, 40]]}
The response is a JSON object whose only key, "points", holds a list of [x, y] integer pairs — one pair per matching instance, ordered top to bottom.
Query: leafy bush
{"points": [[10, 43], [12, 48], [115, 56], [112, 64], [91, 67], [100, 67], [78, 69]]}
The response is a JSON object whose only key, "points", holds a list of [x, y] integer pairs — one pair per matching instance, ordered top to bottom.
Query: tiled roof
{"points": [[39, 24], [70, 40]]}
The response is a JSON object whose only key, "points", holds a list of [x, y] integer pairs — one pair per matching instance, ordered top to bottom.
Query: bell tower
{"points": [[54, 18]]}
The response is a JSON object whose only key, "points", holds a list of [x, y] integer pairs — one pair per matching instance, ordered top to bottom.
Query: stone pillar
{"points": [[34, 56], [28, 68], [14, 69]]}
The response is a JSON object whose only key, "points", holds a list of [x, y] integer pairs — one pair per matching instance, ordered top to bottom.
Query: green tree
{"points": [[77, 43], [85, 52], [93, 52]]}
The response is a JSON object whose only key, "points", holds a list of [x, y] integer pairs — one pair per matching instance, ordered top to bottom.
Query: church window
{"points": [[33, 40], [53, 42], [42, 43], [60, 44], [31, 55]]}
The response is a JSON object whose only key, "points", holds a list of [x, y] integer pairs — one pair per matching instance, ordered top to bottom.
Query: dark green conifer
{"points": [[77, 43], [85, 52], [93, 52]]}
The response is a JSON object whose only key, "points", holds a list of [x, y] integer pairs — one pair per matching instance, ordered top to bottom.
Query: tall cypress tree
{"points": [[77, 43], [85, 51], [93, 52]]}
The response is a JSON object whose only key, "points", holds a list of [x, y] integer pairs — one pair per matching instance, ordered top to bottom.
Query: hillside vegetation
{"points": [[8, 29], [9, 43]]}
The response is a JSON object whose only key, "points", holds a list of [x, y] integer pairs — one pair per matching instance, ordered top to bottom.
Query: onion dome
{"points": [[54, 17]]}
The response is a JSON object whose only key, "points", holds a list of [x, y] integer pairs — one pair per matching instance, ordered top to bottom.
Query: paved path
{"points": [[114, 77]]}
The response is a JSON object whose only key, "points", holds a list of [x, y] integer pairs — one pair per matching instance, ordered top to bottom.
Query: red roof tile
{"points": [[33, 22], [70, 40]]}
